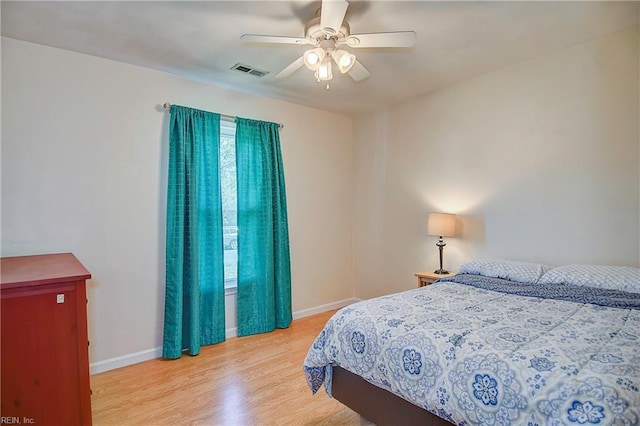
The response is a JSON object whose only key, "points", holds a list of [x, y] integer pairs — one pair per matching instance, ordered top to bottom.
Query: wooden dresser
{"points": [[44, 343]]}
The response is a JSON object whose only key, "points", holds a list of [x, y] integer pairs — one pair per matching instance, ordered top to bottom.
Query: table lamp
{"points": [[441, 225]]}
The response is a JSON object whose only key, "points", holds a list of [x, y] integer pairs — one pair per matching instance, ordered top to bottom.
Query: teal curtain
{"points": [[264, 271], [194, 294]]}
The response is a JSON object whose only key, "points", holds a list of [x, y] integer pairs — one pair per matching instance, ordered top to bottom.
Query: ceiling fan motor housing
{"points": [[313, 31]]}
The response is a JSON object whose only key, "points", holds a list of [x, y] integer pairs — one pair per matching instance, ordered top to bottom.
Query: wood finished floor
{"points": [[255, 380]]}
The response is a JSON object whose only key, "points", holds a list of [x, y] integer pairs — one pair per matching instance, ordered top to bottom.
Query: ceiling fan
{"points": [[329, 34]]}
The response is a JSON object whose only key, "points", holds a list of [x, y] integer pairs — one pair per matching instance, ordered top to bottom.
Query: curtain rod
{"points": [[167, 107]]}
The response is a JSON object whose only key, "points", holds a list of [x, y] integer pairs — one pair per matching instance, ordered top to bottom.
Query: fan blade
{"points": [[332, 14], [256, 38], [394, 39], [291, 68], [358, 72]]}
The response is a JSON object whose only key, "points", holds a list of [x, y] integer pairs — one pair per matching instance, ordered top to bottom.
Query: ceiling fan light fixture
{"points": [[313, 58], [344, 60], [324, 72]]}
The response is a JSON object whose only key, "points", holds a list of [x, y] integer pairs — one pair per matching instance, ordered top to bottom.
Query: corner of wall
{"points": [[370, 140]]}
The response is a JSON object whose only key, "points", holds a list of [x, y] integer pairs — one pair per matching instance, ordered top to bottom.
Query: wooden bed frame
{"points": [[376, 404]]}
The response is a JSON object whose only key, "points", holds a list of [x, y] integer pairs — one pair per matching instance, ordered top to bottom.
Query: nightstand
{"points": [[428, 277]]}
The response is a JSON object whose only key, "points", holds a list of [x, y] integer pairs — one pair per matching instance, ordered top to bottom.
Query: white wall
{"points": [[84, 154], [540, 160]]}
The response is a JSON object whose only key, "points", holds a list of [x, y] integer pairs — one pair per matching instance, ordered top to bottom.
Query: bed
{"points": [[500, 343]]}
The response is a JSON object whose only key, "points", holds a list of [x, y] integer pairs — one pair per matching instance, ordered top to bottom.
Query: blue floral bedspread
{"points": [[472, 353]]}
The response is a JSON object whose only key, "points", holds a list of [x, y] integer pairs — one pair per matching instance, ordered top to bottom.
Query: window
{"points": [[229, 201]]}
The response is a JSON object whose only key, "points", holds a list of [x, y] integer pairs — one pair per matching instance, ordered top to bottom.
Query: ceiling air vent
{"points": [[249, 70]]}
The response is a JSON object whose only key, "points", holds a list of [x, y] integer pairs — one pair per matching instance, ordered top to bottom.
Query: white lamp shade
{"points": [[313, 58], [344, 60], [324, 73], [441, 224]]}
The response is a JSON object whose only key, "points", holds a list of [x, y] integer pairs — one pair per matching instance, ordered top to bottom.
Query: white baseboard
{"points": [[324, 308], [231, 332], [130, 359], [124, 360]]}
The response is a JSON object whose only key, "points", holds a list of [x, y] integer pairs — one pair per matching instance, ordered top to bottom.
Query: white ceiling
{"points": [[201, 40]]}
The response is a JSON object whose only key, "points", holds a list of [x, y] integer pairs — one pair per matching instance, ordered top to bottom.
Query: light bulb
{"points": [[313, 58], [345, 61], [323, 72]]}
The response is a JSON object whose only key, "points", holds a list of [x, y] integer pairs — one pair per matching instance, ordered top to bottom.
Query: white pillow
{"points": [[511, 270], [625, 278]]}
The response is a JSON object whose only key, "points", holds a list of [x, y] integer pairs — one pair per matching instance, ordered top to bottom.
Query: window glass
{"points": [[229, 205]]}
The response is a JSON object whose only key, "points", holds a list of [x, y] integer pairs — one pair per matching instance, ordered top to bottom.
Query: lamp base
{"points": [[441, 272]]}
